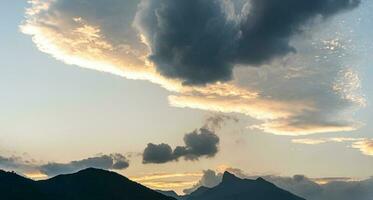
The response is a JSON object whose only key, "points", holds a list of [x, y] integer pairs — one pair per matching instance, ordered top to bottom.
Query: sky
{"points": [[125, 86]]}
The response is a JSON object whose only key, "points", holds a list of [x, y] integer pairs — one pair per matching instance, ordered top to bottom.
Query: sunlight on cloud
{"points": [[308, 92], [310, 141], [365, 146], [165, 175], [36, 176], [167, 181], [166, 185]]}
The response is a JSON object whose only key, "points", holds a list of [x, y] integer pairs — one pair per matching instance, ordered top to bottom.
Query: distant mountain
{"points": [[88, 184], [233, 188]]}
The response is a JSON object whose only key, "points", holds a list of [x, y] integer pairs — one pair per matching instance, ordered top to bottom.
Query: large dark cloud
{"points": [[200, 41], [199, 143], [112, 161]]}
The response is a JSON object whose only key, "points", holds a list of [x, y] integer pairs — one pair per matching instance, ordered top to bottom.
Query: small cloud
{"points": [[216, 122], [308, 141], [311, 141], [202, 142], [199, 143], [365, 146], [160, 153], [209, 179]]}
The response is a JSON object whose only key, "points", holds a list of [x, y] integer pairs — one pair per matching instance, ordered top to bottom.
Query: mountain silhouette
{"points": [[88, 184], [234, 188], [170, 193]]}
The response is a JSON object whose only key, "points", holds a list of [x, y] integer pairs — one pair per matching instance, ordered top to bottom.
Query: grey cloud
{"points": [[200, 41], [202, 142], [199, 143], [161, 153], [112, 161], [8, 162], [14, 163], [209, 179], [336, 189]]}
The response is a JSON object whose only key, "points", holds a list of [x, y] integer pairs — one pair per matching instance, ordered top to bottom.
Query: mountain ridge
{"points": [[87, 184], [98, 184], [235, 188]]}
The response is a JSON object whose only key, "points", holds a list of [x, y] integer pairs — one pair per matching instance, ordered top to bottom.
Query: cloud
{"points": [[201, 41], [312, 90], [216, 122], [311, 141], [202, 142], [199, 143], [365, 146], [160, 153], [112, 161], [15, 163], [34, 169], [160, 176], [209, 179], [167, 181], [166, 185], [331, 189], [334, 190]]}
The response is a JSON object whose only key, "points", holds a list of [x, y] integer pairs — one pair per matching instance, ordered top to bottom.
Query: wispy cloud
{"points": [[312, 141], [365, 145], [158, 176], [167, 181]]}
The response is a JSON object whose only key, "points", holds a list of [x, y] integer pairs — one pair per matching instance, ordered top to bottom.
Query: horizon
{"points": [[173, 94], [221, 175]]}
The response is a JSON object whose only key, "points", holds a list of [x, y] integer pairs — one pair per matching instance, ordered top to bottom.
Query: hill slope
{"points": [[88, 184]]}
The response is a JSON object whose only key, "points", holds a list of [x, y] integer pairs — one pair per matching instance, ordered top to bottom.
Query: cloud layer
{"points": [[305, 82], [108, 162]]}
